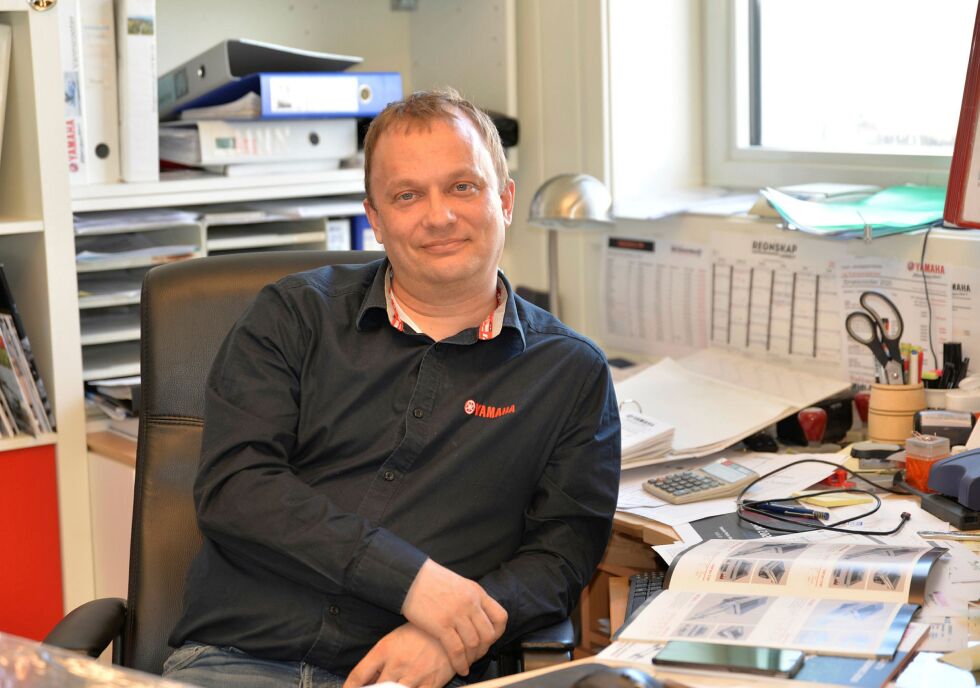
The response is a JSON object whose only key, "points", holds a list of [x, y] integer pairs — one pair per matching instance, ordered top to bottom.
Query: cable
{"points": [[925, 285], [753, 506]]}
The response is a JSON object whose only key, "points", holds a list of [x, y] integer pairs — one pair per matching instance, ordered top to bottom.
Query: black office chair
{"points": [[187, 309]]}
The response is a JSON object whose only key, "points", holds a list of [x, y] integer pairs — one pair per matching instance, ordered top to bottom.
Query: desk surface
{"points": [[671, 679]]}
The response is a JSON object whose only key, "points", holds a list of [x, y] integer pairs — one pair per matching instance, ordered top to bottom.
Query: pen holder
{"points": [[891, 411]]}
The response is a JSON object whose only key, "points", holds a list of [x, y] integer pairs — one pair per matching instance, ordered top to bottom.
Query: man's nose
{"points": [[440, 211]]}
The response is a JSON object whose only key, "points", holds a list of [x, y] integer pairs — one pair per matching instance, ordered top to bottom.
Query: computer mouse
{"points": [[761, 442], [617, 677]]}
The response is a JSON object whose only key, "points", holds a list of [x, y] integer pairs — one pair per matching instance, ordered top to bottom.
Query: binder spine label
{"points": [[294, 94]]}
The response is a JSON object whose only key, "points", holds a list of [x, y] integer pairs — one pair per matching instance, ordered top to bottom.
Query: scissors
{"points": [[880, 329]]}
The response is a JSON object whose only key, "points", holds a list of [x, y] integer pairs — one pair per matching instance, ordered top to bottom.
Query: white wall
{"points": [[369, 28], [561, 103]]}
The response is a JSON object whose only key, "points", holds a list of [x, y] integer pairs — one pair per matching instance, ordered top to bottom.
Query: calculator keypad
{"points": [[685, 482]]}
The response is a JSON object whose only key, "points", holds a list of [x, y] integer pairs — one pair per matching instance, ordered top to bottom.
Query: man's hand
{"points": [[456, 611], [408, 656]]}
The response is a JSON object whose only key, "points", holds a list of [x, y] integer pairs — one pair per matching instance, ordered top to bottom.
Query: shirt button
{"points": [[418, 413], [389, 476], [334, 610]]}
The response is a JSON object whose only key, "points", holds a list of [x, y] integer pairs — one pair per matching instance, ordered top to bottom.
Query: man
{"points": [[404, 465]]}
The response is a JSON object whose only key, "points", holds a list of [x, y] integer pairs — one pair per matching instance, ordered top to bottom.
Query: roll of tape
{"points": [[970, 382], [963, 400]]}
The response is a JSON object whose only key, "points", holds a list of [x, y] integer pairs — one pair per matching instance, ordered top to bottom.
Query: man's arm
{"points": [[568, 524]]}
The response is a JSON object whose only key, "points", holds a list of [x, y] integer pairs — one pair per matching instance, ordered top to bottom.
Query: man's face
{"points": [[437, 208]]}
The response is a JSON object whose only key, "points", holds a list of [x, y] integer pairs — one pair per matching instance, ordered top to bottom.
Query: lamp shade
{"points": [[575, 201]]}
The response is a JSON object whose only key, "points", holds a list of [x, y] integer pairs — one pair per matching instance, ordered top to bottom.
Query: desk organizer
{"points": [[891, 411]]}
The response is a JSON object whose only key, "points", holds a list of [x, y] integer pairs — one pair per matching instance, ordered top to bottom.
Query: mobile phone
{"points": [[770, 661]]}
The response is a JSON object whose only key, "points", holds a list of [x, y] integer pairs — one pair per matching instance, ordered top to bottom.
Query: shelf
{"points": [[185, 188], [11, 226], [245, 240], [123, 263], [107, 300], [110, 325], [120, 359], [23, 441]]}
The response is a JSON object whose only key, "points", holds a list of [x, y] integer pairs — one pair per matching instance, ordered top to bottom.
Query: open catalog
{"points": [[822, 598]]}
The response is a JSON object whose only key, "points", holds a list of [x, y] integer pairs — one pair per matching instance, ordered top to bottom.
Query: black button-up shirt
{"points": [[339, 453]]}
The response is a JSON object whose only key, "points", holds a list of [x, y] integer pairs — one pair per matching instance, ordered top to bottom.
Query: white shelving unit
{"points": [[40, 265]]}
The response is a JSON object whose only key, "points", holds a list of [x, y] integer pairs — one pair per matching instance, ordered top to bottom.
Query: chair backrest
{"points": [[187, 309]]}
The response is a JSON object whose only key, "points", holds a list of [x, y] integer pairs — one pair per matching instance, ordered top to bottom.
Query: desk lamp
{"points": [[568, 201]]}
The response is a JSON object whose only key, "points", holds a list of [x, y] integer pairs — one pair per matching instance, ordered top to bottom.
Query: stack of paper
{"points": [[890, 211], [715, 398], [645, 440]]}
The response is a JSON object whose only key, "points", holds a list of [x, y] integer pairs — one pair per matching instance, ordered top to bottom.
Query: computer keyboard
{"points": [[642, 585]]}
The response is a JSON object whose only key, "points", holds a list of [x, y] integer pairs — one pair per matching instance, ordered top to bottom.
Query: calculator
{"points": [[721, 478]]}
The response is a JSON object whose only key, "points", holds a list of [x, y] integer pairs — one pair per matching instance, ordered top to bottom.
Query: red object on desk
{"points": [[861, 401], [813, 421], [837, 479]]}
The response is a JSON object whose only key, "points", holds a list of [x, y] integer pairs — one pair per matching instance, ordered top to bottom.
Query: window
{"points": [[833, 90]]}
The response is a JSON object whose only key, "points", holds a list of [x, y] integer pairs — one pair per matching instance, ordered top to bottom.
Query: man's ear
{"points": [[507, 201], [374, 219]]}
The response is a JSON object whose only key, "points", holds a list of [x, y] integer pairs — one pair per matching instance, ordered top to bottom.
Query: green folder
{"points": [[889, 211]]}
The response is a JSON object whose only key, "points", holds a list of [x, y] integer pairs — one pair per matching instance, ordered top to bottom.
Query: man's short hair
{"points": [[419, 110]]}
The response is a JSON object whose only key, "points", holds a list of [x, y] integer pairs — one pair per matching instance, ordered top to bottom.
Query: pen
{"points": [[791, 510], [947, 535]]}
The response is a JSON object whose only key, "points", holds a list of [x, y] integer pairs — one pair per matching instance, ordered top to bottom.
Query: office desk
{"points": [[629, 551]]}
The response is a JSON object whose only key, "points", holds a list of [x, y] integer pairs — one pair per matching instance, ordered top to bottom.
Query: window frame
{"points": [[728, 162]]}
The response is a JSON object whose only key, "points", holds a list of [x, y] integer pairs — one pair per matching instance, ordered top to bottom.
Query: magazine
{"points": [[9, 306], [823, 598]]}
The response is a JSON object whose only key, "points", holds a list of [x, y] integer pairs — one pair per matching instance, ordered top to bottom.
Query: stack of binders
{"points": [[108, 58], [246, 108]]}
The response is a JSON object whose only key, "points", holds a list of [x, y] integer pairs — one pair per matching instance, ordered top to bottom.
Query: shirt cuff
{"points": [[385, 570]]}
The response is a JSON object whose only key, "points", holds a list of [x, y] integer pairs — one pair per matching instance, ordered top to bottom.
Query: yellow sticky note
{"points": [[832, 500]]}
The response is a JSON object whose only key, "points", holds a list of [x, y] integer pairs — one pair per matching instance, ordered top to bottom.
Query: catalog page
{"points": [[879, 573], [834, 627]]}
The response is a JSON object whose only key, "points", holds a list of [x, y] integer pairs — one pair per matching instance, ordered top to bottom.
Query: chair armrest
{"points": [[91, 627], [559, 636], [541, 648]]}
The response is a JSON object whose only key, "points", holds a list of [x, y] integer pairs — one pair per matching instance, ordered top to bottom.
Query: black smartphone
{"points": [[770, 661]]}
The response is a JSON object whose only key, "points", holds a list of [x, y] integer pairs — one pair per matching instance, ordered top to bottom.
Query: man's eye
{"points": [[464, 186], [406, 196]]}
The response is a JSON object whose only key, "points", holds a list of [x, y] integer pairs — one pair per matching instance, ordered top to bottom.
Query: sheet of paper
{"points": [[902, 282], [965, 293], [655, 296], [775, 297], [797, 386], [703, 412], [687, 536], [631, 651]]}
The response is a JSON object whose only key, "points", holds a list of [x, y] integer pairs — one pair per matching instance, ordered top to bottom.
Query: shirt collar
{"points": [[376, 304]]}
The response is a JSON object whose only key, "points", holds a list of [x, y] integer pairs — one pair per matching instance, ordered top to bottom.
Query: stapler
{"points": [[958, 477], [957, 482]]}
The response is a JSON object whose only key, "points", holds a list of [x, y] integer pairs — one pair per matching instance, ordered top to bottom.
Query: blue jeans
{"points": [[207, 666], [218, 667]]}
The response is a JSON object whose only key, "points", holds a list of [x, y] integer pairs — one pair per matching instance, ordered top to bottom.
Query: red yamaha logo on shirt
{"points": [[473, 408]]}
